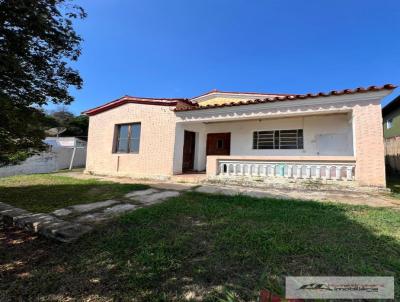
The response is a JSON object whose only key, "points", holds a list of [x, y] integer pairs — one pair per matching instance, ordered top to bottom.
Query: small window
{"points": [[389, 123], [128, 138], [278, 139]]}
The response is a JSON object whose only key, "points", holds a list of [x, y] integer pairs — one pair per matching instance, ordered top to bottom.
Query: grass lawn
{"points": [[47, 192], [202, 246]]}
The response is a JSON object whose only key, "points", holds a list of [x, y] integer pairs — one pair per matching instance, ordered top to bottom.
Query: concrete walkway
{"points": [[373, 199], [96, 212], [44, 224], [68, 224]]}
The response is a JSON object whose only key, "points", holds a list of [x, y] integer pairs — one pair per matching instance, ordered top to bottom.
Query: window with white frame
{"points": [[389, 123], [127, 138], [278, 139]]}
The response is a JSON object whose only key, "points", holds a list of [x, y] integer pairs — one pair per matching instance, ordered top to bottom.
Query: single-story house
{"points": [[391, 118], [323, 136]]}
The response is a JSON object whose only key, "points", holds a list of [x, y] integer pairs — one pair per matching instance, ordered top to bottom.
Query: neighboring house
{"points": [[391, 118], [324, 136], [60, 155]]}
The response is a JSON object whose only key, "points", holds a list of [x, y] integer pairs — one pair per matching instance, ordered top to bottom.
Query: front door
{"points": [[218, 144], [188, 151]]}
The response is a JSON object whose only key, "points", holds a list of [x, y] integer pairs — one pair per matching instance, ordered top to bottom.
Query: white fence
{"points": [[46, 162], [298, 170]]}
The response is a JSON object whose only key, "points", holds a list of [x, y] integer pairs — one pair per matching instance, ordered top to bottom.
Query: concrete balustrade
{"points": [[298, 170]]}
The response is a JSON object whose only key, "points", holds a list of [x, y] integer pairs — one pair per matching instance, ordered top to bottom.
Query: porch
{"points": [[310, 147]]}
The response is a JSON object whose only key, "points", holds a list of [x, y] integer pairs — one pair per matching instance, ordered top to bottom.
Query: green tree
{"points": [[37, 42], [62, 116], [76, 125]]}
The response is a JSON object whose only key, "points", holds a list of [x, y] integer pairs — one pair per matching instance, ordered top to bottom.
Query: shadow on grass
{"points": [[393, 183], [46, 198], [197, 246]]}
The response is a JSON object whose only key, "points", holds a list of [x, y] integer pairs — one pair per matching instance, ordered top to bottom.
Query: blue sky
{"points": [[183, 48]]}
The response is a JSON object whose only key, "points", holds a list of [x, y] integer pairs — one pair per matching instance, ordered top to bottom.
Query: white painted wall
{"points": [[328, 135], [46, 162], [42, 163]]}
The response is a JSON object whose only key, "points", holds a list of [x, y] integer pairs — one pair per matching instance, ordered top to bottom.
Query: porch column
{"points": [[369, 147], [212, 166]]}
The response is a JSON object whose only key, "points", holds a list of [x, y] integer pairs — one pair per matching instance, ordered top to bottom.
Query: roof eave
{"points": [[369, 89]]}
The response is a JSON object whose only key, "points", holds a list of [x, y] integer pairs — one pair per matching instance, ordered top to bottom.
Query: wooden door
{"points": [[218, 144], [188, 151]]}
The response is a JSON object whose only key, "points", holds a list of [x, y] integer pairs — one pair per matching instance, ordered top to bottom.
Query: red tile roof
{"points": [[237, 92], [291, 97], [139, 100], [182, 104]]}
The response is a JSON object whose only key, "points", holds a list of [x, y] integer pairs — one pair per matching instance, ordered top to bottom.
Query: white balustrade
{"points": [[306, 170]]}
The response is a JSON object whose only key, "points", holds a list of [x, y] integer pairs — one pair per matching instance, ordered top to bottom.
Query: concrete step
{"points": [[43, 224]]}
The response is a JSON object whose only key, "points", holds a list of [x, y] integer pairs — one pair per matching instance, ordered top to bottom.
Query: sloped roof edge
{"points": [[292, 97]]}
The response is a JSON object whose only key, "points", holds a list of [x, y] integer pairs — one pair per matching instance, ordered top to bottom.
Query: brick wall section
{"points": [[369, 147], [155, 157]]}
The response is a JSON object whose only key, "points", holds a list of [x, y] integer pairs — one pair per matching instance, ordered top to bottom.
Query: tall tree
{"points": [[37, 42], [62, 116], [75, 125]]}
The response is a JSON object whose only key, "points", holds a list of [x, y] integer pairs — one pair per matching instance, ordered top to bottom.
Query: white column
{"points": [[251, 166], [221, 168], [258, 168], [235, 169], [242, 169], [265, 170], [273, 170], [289, 171], [298, 171], [308, 171], [318, 172], [328, 172], [338, 172], [349, 172]]}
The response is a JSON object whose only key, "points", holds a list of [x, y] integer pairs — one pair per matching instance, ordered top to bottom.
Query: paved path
{"points": [[352, 198], [373, 199], [92, 213], [44, 224], [68, 224]]}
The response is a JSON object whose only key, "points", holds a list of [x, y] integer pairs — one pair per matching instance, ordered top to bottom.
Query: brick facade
{"points": [[369, 147], [155, 158]]}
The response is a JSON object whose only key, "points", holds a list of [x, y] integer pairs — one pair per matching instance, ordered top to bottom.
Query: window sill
{"points": [[124, 153]]}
